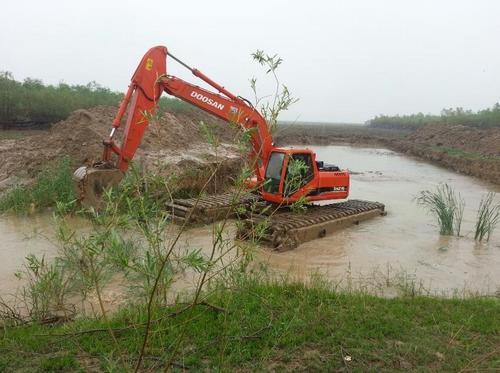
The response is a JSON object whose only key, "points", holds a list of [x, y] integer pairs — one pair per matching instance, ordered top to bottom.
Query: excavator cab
{"points": [[287, 172], [292, 173]]}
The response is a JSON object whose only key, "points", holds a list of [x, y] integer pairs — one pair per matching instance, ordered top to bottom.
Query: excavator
{"points": [[271, 165]]}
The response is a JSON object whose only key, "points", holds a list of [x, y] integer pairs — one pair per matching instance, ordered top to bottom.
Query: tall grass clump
{"points": [[53, 185], [446, 206], [488, 215]]}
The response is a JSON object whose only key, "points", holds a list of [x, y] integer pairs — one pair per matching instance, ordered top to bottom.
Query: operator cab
{"points": [[290, 171], [299, 171]]}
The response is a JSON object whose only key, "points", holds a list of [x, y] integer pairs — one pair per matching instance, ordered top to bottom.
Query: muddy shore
{"points": [[176, 140], [173, 144], [469, 151]]}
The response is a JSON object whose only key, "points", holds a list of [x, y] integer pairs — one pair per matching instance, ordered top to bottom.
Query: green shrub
{"points": [[33, 101], [53, 185]]}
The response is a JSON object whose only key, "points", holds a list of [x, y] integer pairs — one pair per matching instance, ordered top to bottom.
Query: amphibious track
{"points": [[208, 209], [275, 227], [286, 230]]}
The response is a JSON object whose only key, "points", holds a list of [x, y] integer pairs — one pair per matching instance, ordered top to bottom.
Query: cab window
{"points": [[273, 172]]}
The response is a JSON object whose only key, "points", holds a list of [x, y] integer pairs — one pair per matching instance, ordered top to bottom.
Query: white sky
{"points": [[345, 60]]}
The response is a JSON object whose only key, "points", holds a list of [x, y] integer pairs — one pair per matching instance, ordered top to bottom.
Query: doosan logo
{"points": [[207, 100]]}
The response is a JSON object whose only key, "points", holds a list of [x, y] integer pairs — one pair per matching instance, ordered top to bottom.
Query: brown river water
{"points": [[405, 244]]}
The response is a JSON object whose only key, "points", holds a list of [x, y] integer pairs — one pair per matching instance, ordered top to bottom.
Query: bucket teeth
{"points": [[80, 173]]}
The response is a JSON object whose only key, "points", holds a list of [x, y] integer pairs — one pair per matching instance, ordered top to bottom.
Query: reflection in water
{"points": [[406, 241]]}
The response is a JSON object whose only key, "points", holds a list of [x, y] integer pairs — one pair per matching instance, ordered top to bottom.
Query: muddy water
{"points": [[21, 236], [404, 243]]}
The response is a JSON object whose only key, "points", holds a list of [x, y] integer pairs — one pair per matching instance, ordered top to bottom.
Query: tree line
{"points": [[33, 101], [486, 118]]}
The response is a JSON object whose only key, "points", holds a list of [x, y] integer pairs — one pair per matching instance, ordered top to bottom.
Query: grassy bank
{"points": [[459, 153], [53, 185], [260, 325]]}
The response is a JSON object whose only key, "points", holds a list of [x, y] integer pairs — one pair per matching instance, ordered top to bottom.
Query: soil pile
{"points": [[171, 139], [485, 142]]}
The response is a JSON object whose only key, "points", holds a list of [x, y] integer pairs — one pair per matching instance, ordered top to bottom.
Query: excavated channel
{"points": [[405, 244]]}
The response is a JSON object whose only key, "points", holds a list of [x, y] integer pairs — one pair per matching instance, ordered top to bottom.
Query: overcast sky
{"points": [[344, 60]]}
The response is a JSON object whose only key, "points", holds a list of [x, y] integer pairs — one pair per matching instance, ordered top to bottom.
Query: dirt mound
{"points": [[170, 139], [485, 142]]}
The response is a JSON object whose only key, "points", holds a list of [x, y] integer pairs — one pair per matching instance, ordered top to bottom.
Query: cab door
{"points": [[300, 175]]}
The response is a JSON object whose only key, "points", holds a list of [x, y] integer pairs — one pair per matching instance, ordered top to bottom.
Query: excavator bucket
{"points": [[91, 183]]}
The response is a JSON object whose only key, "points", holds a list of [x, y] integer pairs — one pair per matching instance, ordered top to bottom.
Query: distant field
{"points": [[487, 118], [308, 123], [328, 133]]}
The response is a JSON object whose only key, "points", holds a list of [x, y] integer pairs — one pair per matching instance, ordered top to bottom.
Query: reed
{"points": [[446, 206], [488, 215]]}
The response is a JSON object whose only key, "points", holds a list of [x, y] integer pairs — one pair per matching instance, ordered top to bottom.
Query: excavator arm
{"points": [[150, 80]]}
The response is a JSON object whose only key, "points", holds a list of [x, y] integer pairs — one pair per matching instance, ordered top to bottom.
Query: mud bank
{"points": [[172, 142], [470, 151]]}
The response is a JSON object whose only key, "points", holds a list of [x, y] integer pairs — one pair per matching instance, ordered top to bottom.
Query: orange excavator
{"points": [[272, 165], [319, 181]]}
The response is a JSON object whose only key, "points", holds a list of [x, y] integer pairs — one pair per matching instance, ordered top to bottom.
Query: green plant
{"points": [[281, 100], [33, 101], [295, 175], [53, 185], [17, 200], [446, 206], [488, 216], [48, 286], [262, 323]]}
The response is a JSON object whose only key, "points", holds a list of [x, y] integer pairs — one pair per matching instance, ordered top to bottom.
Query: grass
{"points": [[454, 152], [53, 185], [446, 206], [488, 215], [263, 325]]}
